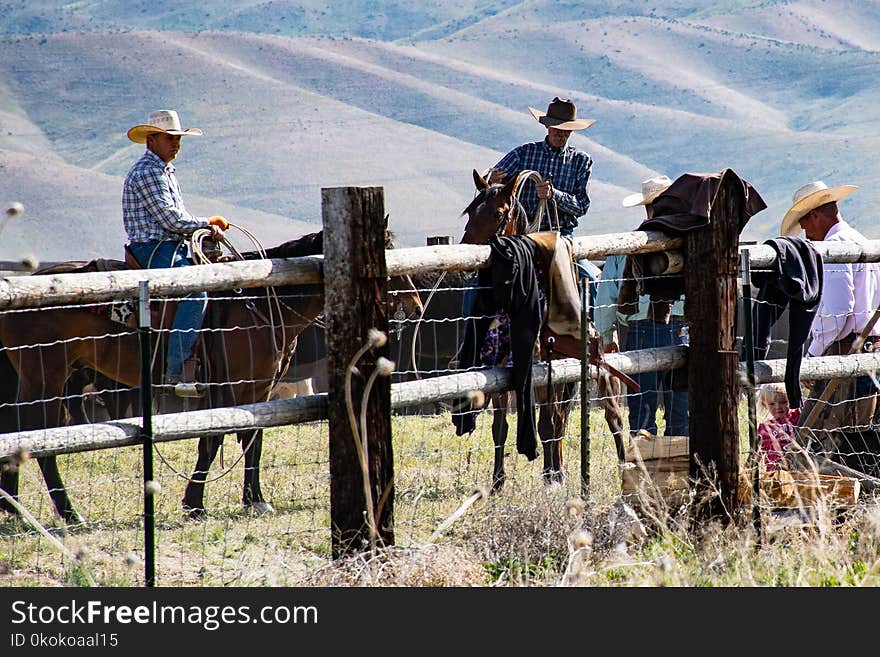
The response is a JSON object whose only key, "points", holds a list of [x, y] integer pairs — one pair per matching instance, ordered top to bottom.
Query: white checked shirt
{"points": [[152, 204], [850, 294]]}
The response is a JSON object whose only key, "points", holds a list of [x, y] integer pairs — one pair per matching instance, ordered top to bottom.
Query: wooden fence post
{"points": [[355, 294], [713, 359]]}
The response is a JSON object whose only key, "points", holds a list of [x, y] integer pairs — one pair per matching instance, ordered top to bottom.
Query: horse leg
{"points": [[609, 391], [48, 414], [552, 421], [499, 437], [9, 483], [194, 496], [252, 496], [63, 505]]}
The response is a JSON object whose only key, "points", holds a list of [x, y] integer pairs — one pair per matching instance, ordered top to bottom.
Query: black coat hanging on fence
{"points": [[794, 281], [509, 284]]}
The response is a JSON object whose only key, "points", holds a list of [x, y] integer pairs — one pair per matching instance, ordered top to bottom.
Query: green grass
{"points": [[528, 534]]}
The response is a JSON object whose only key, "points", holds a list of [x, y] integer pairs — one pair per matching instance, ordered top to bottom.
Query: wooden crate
{"points": [[659, 465], [656, 466], [787, 489]]}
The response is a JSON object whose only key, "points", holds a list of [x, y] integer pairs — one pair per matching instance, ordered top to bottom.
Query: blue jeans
{"points": [[190, 310], [642, 405]]}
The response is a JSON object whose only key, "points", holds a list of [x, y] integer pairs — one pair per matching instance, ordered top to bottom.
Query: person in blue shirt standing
{"points": [[157, 224], [647, 324]]}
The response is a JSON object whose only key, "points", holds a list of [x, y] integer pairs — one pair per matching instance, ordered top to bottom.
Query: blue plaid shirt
{"points": [[570, 168], [152, 205]]}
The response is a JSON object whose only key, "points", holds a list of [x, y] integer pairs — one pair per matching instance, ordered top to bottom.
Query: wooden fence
{"points": [[354, 270]]}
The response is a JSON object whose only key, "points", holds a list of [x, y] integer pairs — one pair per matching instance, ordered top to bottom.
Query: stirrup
{"points": [[189, 390]]}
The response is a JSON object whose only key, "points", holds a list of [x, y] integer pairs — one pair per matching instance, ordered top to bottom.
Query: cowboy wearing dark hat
{"points": [[564, 168]]}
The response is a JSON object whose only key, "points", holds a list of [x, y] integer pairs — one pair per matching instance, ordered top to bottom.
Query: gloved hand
{"points": [[219, 221]]}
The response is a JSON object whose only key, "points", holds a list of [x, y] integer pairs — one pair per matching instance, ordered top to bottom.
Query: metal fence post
{"points": [[144, 333], [749, 348], [585, 394]]}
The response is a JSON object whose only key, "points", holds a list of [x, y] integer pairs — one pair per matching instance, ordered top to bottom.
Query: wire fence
{"points": [[229, 542]]}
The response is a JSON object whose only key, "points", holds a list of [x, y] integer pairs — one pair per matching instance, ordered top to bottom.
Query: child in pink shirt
{"points": [[777, 429]]}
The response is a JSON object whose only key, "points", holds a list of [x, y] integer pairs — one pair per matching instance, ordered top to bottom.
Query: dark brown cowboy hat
{"points": [[561, 114]]}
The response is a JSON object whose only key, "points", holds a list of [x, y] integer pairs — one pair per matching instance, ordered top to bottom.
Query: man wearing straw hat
{"points": [[564, 169], [157, 223], [850, 295], [652, 323]]}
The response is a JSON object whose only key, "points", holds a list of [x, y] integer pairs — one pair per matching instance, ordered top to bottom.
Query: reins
{"points": [[535, 224]]}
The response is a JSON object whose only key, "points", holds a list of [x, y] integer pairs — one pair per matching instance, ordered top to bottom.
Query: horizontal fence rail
{"points": [[762, 256], [52, 289], [46, 290], [179, 426]]}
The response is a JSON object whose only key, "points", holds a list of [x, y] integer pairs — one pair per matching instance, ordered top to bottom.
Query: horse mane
{"points": [[311, 244]]}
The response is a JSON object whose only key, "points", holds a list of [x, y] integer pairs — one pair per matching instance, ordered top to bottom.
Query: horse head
{"points": [[494, 211]]}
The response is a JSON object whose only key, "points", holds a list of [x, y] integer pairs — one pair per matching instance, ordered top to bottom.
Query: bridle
{"points": [[507, 218]]}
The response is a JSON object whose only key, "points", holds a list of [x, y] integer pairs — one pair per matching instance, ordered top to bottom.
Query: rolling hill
{"points": [[410, 96]]}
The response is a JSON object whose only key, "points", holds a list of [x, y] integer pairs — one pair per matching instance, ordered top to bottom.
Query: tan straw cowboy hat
{"points": [[561, 114], [165, 121], [651, 189], [809, 197]]}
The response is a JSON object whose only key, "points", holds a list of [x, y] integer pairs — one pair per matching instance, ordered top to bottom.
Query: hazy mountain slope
{"points": [[378, 19], [834, 24], [782, 92], [279, 153], [72, 213]]}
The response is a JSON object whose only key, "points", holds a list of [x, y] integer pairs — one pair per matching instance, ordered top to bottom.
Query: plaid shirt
{"points": [[570, 168], [152, 205]]}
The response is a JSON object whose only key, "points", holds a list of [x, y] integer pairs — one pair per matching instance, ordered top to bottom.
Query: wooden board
{"points": [[649, 447], [661, 464], [784, 489]]}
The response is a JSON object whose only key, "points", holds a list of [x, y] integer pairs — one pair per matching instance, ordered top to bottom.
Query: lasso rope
{"points": [[535, 225], [196, 249]]}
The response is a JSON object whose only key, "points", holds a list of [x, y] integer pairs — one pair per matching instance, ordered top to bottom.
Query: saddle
{"points": [[121, 312]]}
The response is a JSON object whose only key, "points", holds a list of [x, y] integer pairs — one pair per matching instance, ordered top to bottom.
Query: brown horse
{"points": [[495, 210], [249, 337]]}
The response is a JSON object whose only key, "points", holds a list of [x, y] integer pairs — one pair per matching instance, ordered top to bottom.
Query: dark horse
{"points": [[495, 210], [243, 351]]}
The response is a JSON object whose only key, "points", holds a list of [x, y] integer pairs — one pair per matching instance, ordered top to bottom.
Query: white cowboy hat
{"points": [[561, 114], [165, 121], [651, 189], [809, 197]]}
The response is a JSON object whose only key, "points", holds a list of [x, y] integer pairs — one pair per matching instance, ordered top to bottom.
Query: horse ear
{"points": [[479, 181], [509, 187]]}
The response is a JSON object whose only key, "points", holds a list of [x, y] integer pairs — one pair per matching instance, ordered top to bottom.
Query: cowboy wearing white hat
{"points": [[164, 121], [651, 189], [808, 198], [157, 224], [850, 294], [632, 321]]}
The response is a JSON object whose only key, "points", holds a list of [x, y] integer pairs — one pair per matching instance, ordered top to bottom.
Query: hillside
{"points": [[411, 96]]}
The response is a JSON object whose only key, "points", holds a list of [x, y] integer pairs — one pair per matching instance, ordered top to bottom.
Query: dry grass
{"points": [[529, 534]]}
